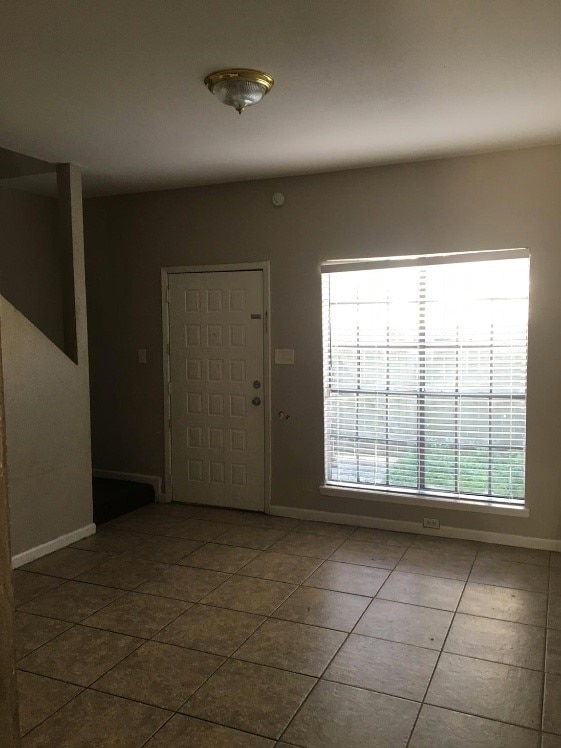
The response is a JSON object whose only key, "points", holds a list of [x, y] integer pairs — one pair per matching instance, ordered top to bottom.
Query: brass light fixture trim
{"points": [[239, 87]]}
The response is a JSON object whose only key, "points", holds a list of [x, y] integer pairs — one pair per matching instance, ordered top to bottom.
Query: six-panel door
{"points": [[216, 398]]}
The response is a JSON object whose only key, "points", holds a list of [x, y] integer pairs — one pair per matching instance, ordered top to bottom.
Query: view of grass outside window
{"points": [[425, 376]]}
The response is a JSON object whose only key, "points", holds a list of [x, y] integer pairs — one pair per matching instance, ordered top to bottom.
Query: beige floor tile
{"points": [[172, 509], [220, 514], [258, 519], [150, 524], [197, 529], [327, 529], [383, 537], [259, 538], [113, 542], [307, 544], [453, 545], [166, 550], [512, 553], [368, 554], [216, 557], [67, 563], [449, 564], [281, 566], [123, 572], [510, 574], [357, 580], [555, 581], [183, 583], [28, 585], [416, 589], [250, 594], [72, 601], [519, 606], [332, 610], [554, 612], [137, 615], [408, 624], [210, 629], [34, 631], [500, 641], [292, 646], [553, 652], [79, 655], [387, 667], [159, 674], [487, 689], [39, 697], [250, 697], [551, 703], [337, 716], [95, 719], [455, 730], [187, 732], [548, 741]]}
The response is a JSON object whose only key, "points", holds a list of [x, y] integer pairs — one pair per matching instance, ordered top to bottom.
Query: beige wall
{"points": [[482, 202], [30, 261], [47, 414]]}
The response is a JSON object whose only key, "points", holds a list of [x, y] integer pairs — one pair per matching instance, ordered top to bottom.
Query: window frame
{"points": [[414, 496]]}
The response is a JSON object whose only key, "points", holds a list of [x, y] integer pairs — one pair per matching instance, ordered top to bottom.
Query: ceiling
{"points": [[117, 86]]}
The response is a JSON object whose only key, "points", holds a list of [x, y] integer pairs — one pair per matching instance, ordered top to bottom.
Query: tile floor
{"points": [[198, 627]]}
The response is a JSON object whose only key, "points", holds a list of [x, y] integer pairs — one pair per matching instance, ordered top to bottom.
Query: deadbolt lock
{"points": [[256, 384]]}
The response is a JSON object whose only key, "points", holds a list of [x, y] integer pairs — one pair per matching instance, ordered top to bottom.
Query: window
{"points": [[425, 375]]}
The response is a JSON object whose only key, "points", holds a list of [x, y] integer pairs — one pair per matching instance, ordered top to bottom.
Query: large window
{"points": [[425, 375]]}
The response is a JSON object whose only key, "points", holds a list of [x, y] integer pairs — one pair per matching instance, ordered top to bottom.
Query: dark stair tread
{"points": [[113, 498]]}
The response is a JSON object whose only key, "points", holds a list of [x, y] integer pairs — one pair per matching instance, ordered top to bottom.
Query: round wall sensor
{"points": [[278, 199]]}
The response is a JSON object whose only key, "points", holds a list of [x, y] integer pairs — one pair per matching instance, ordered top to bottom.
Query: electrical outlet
{"points": [[433, 524]]}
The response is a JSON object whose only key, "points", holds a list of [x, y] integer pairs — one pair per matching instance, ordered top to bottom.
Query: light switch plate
{"points": [[284, 355]]}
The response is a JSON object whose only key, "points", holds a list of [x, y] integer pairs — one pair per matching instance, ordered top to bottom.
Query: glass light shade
{"points": [[239, 93]]}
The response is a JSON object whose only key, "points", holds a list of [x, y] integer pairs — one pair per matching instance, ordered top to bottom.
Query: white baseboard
{"points": [[152, 480], [548, 544], [53, 545]]}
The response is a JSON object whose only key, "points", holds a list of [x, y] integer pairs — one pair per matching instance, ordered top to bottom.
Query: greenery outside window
{"points": [[425, 375]]}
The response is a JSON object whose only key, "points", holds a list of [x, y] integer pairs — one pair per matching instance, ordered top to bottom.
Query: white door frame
{"points": [[165, 273]]}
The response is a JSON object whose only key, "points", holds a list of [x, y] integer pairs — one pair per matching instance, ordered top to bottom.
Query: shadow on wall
{"points": [[35, 265]]}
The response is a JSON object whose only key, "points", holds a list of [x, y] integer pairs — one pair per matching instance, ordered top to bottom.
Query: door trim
{"points": [[265, 267]]}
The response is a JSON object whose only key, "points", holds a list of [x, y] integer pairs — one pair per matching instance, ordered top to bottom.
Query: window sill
{"points": [[462, 505]]}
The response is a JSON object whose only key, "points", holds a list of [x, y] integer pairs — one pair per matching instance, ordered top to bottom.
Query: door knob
{"points": [[256, 401]]}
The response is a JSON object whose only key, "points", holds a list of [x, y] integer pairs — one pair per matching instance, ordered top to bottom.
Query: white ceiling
{"points": [[117, 85]]}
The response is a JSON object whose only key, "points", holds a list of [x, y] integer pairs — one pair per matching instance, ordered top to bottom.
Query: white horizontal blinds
{"points": [[425, 378]]}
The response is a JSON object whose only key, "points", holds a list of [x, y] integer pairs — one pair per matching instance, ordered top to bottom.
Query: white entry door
{"points": [[216, 399]]}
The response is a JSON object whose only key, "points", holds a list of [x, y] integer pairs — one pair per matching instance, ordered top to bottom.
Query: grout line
{"points": [[265, 618], [545, 647], [82, 689], [427, 689]]}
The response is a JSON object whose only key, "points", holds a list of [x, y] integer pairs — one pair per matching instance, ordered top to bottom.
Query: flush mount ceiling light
{"points": [[239, 87]]}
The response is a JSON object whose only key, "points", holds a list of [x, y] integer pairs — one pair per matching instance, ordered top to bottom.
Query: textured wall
{"points": [[492, 201], [30, 261], [47, 412]]}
